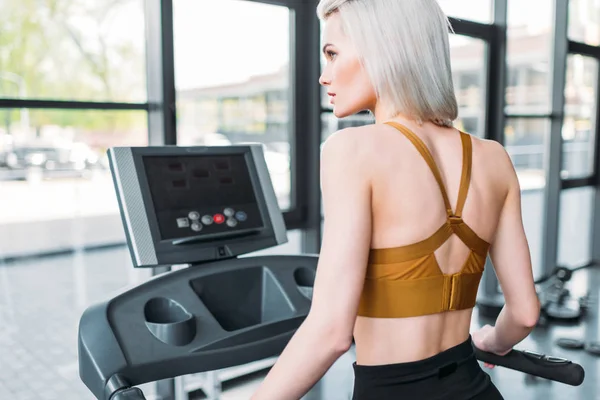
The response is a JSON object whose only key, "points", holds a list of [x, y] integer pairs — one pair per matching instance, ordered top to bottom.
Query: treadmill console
{"points": [[195, 204]]}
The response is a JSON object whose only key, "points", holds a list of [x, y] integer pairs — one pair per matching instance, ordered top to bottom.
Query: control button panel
{"points": [[198, 220]]}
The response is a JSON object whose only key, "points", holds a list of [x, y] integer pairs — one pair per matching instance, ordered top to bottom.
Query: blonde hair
{"points": [[404, 48]]}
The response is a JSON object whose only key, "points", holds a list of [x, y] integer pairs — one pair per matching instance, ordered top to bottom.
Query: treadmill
{"points": [[204, 207]]}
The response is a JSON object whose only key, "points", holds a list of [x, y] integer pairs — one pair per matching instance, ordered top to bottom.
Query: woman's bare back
{"points": [[407, 207]]}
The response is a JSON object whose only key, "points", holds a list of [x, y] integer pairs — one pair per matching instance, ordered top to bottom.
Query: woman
{"points": [[412, 209]]}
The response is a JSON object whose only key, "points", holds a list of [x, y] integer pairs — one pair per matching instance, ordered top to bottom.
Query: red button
{"points": [[219, 218]]}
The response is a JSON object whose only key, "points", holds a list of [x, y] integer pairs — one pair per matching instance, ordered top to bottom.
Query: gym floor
{"points": [[41, 301]]}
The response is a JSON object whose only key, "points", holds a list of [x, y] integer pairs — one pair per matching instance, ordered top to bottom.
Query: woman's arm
{"points": [[511, 258], [326, 333]]}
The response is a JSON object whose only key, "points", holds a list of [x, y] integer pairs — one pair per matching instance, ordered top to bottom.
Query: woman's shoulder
{"points": [[352, 139], [370, 140], [493, 152], [346, 153], [494, 163]]}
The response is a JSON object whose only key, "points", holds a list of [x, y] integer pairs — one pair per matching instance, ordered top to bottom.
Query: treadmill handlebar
{"points": [[548, 367], [132, 393]]}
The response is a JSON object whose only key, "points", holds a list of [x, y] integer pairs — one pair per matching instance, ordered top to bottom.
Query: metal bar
{"points": [[473, 29], [584, 49], [160, 71], [168, 74], [496, 74], [496, 88], [161, 94], [71, 105], [330, 110], [533, 116], [307, 138], [297, 168], [579, 182], [294, 219], [550, 229], [489, 299]]}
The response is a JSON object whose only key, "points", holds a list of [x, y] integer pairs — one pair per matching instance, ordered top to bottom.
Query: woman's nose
{"points": [[324, 80]]}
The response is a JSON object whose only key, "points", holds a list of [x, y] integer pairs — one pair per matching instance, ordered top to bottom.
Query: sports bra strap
{"points": [[422, 148], [465, 178]]}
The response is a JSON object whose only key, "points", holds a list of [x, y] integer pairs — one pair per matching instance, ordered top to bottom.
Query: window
{"points": [[584, 21], [529, 44], [73, 50], [468, 74], [235, 89], [578, 132], [525, 142], [56, 171], [56, 190], [575, 226]]}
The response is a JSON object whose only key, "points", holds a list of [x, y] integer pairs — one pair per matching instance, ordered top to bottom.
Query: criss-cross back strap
{"points": [[422, 148], [465, 178]]}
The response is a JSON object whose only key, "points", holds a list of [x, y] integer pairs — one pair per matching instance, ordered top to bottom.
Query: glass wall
{"points": [[584, 21], [72, 50], [529, 56], [468, 57], [235, 89], [528, 92], [579, 125], [579, 135], [526, 142], [53, 168], [57, 176], [56, 192], [575, 226]]}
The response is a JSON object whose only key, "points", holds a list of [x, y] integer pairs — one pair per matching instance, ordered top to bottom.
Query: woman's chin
{"points": [[340, 112], [343, 112]]}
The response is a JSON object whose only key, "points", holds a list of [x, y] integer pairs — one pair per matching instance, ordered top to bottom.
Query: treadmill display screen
{"points": [[202, 195]]}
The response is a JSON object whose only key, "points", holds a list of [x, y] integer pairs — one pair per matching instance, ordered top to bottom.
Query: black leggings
{"points": [[453, 374]]}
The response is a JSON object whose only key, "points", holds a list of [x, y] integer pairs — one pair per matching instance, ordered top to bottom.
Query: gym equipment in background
{"points": [[557, 303]]}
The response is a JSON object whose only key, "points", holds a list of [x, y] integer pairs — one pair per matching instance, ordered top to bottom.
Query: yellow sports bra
{"points": [[407, 281]]}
